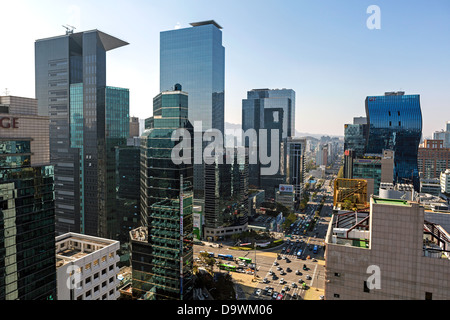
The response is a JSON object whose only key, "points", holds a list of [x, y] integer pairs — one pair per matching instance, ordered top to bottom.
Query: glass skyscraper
{"points": [[195, 58], [87, 119], [395, 123], [162, 249]]}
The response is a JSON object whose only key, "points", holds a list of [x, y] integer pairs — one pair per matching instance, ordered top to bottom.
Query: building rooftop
{"points": [[203, 23], [109, 42], [392, 202], [139, 234], [73, 246]]}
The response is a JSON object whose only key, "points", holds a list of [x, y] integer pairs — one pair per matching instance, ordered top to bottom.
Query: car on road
{"points": [[275, 263], [305, 267], [288, 269], [298, 273], [308, 277], [282, 281], [293, 285], [258, 292], [274, 295], [295, 295], [280, 296]]}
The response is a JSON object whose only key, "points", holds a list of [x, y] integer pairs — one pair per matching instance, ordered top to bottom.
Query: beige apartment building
{"points": [[390, 252]]}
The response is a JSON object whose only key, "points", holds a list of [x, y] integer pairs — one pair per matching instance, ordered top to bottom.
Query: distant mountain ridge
{"points": [[312, 136]]}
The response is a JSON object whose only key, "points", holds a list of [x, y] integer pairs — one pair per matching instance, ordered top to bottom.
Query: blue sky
{"points": [[321, 49]]}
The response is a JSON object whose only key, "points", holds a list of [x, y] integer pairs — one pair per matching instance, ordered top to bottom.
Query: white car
{"points": [[282, 281], [258, 292]]}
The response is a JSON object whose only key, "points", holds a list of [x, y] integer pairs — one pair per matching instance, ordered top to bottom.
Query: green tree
{"points": [[208, 261]]}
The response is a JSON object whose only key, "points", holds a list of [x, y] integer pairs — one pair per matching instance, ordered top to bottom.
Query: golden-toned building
{"points": [[350, 193]]}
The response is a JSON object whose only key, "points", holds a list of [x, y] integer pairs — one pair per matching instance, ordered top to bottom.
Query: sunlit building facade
{"points": [[195, 58]]}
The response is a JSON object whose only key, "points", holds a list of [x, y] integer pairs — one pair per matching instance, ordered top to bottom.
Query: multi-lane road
{"points": [[281, 273]]}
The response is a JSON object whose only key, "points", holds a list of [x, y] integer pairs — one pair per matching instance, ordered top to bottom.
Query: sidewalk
{"points": [[313, 294]]}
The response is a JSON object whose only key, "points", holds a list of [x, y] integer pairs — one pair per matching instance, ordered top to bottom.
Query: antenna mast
{"points": [[69, 29]]}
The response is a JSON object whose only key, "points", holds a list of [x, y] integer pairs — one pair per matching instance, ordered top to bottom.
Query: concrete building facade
{"points": [[388, 253], [86, 267]]}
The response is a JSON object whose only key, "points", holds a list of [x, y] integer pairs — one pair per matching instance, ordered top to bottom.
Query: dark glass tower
{"points": [[195, 57], [270, 109], [87, 119], [395, 123], [295, 165], [226, 194], [27, 204], [162, 260]]}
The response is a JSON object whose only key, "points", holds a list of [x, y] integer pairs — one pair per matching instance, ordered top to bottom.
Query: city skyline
{"points": [[325, 52]]}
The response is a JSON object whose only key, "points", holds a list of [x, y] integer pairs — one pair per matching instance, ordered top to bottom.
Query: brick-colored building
{"points": [[433, 159]]}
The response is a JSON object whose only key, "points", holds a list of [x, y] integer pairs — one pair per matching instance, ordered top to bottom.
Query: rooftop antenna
{"points": [[69, 29], [6, 92]]}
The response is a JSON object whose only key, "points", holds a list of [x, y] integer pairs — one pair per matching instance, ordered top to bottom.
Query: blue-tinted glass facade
{"points": [[195, 58], [395, 123]]}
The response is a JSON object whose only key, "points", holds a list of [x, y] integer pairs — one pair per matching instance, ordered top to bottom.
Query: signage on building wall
{"points": [[9, 123], [286, 188]]}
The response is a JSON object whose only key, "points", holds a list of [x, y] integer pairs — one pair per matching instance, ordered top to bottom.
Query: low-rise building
{"points": [[86, 267]]}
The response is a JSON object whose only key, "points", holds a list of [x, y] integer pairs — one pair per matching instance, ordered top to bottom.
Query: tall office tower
{"points": [[195, 58], [271, 110], [87, 119], [395, 123], [443, 135], [295, 165], [226, 194], [27, 205], [162, 249]]}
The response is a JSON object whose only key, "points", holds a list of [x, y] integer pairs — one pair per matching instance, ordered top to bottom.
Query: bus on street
{"points": [[228, 257], [246, 260], [227, 267]]}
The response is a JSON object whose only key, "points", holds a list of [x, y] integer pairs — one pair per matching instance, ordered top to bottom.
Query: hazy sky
{"points": [[321, 49]]}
